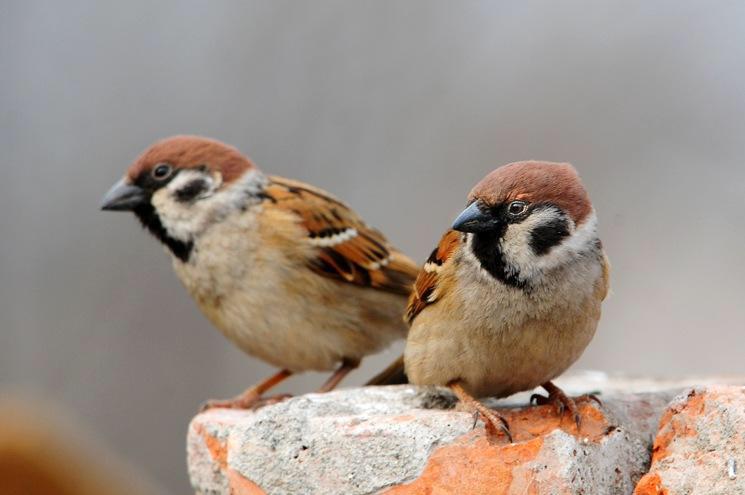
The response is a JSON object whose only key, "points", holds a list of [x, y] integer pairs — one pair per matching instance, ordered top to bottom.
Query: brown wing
{"points": [[348, 249], [425, 287]]}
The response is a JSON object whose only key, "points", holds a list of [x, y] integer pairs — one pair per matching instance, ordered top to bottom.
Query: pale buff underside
{"points": [[268, 303], [496, 339]]}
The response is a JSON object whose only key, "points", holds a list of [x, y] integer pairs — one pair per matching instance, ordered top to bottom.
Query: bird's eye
{"points": [[161, 171], [517, 208]]}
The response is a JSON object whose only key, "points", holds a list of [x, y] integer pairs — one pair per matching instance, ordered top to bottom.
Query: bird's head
{"points": [[181, 185], [526, 218]]}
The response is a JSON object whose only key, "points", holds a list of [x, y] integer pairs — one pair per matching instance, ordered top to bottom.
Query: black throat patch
{"points": [[151, 221], [485, 246]]}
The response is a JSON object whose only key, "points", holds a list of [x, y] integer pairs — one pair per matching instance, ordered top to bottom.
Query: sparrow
{"points": [[287, 272], [512, 294]]}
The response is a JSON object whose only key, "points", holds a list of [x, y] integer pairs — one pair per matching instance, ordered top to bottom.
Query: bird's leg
{"points": [[347, 365], [251, 397], [560, 401], [494, 422]]}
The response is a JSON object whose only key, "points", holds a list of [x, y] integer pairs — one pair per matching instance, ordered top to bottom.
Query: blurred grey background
{"points": [[399, 107]]}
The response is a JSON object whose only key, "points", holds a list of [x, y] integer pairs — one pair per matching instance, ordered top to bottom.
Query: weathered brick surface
{"points": [[403, 440], [700, 445]]}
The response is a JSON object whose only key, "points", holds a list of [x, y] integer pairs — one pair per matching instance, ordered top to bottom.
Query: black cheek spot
{"points": [[191, 190], [546, 236]]}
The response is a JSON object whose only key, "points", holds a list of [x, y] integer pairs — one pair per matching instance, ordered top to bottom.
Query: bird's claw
{"points": [[593, 396], [268, 401], [243, 402], [561, 403], [217, 404], [476, 416], [494, 424]]}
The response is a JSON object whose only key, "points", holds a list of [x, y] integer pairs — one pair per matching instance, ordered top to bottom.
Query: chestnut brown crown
{"points": [[190, 152], [535, 182]]}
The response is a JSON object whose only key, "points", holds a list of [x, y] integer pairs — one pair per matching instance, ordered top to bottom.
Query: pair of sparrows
{"points": [[507, 301]]}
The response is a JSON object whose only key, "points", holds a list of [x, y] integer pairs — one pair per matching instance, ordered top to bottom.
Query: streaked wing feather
{"points": [[348, 249], [426, 285]]}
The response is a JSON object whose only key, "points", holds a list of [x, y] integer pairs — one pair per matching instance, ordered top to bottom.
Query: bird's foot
{"points": [[590, 396], [252, 398], [244, 401], [268, 401], [561, 401], [494, 423]]}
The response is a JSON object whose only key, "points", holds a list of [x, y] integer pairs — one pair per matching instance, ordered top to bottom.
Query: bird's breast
{"points": [[499, 339]]}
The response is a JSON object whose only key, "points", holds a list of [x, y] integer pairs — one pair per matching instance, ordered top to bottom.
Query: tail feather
{"points": [[394, 374]]}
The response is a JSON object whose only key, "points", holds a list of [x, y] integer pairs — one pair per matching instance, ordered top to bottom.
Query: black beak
{"points": [[123, 196], [472, 219]]}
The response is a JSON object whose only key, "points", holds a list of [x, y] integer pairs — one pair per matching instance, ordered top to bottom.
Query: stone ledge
{"points": [[404, 440], [700, 444]]}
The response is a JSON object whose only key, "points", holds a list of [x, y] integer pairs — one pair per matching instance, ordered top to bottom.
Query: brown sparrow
{"points": [[284, 270], [511, 296]]}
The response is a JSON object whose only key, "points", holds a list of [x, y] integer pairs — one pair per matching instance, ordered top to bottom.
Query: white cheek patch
{"points": [[176, 216], [187, 220], [581, 239], [515, 243], [517, 251]]}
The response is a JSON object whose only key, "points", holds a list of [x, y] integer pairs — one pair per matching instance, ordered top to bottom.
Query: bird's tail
{"points": [[394, 374]]}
